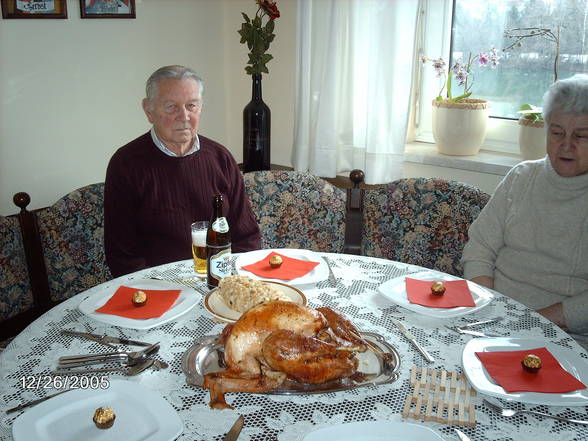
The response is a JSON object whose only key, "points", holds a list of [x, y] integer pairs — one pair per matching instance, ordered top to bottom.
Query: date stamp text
{"points": [[64, 382]]}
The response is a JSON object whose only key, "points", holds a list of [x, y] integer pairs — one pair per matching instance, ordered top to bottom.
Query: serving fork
{"points": [[506, 412]]}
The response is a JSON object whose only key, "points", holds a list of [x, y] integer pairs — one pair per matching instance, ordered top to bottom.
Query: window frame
{"points": [[436, 20]]}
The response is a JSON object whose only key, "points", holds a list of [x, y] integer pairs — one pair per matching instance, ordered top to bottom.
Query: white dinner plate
{"points": [[318, 273], [395, 290], [187, 299], [215, 305], [484, 383], [141, 414], [374, 431]]}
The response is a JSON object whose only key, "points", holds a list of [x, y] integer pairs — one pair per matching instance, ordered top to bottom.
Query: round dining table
{"points": [[353, 291]]}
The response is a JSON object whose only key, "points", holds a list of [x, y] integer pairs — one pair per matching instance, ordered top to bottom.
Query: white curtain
{"points": [[354, 69]]}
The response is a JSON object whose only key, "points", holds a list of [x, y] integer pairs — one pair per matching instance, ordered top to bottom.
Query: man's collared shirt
{"points": [[168, 152]]}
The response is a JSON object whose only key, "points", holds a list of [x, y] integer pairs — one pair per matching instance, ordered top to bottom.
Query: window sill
{"points": [[486, 161]]}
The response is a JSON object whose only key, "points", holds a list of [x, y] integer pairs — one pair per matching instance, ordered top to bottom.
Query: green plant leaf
{"points": [[245, 17], [257, 22], [269, 26], [449, 85], [461, 97], [526, 107]]}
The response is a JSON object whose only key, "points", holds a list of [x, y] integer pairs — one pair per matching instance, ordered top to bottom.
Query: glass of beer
{"points": [[199, 246]]}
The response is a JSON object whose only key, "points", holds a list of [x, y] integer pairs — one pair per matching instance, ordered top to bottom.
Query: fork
{"points": [[129, 357], [130, 372], [512, 412]]}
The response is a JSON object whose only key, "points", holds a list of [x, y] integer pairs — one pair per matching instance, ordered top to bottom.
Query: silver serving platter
{"points": [[378, 365]]}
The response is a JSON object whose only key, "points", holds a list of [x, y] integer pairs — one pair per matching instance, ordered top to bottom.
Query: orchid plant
{"points": [[462, 72]]}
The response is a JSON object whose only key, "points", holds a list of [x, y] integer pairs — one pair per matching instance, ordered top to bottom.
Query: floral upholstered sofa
{"points": [[67, 237]]}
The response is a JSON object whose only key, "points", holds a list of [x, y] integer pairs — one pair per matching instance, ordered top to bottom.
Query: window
{"points": [[525, 71]]}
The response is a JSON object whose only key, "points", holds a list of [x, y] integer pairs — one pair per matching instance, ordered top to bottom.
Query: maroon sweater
{"points": [[151, 199]]}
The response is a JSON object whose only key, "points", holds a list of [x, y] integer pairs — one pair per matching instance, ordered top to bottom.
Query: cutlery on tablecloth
{"points": [[332, 278], [483, 322], [472, 332], [104, 339], [413, 340], [128, 357], [131, 371], [37, 401], [505, 412], [235, 430], [462, 436]]}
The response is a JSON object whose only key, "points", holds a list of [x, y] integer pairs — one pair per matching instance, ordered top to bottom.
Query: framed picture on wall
{"points": [[34, 8], [107, 8]]}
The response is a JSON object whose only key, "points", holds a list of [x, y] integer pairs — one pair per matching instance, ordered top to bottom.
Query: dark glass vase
{"points": [[256, 130]]}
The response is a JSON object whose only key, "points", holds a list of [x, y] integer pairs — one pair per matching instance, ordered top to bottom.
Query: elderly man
{"points": [[161, 182]]}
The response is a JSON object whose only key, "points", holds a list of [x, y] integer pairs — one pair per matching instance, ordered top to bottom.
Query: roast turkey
{"points": [[280, 340]]}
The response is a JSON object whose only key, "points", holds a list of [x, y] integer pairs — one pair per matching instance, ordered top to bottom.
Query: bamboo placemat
{"points": [[440, 396]]}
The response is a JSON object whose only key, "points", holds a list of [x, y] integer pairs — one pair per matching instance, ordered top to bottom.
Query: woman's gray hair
{"points": [[174, 72], [569, 96]]}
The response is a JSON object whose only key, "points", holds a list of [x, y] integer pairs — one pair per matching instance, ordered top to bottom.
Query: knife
{"points": [[483, 322], [477, 333], [411, 338], [104, 339], [34, 402], [233, 434], [462, 436]]}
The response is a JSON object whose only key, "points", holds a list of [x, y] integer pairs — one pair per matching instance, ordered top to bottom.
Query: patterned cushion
{"points": [[297, 210], [421, 221], [72, 232], [15, 288]]}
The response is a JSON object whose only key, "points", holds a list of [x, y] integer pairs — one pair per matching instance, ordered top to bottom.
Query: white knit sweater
{"points": [[532, 238]]}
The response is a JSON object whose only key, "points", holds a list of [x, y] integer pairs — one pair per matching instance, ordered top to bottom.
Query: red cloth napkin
{"points": [[290, 269], [457, 293], [158, 302], [505, 368]]}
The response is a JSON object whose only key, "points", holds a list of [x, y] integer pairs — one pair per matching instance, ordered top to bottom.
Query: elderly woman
{"points": [[531, 240]]}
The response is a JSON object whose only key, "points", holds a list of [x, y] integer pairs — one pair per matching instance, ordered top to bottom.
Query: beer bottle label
{"points": [[220, 225], [220, 262]]}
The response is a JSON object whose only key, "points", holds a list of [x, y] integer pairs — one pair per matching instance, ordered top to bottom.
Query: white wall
{"points": [[70, 90]]}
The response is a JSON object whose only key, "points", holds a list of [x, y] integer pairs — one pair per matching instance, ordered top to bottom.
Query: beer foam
{"points": [[199, 238]]}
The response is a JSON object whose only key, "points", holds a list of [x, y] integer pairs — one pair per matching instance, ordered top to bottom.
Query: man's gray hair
{"points": [[174, 72], [568, 96]]}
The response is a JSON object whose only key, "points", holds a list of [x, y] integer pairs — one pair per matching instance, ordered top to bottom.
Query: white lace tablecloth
{"points": [[289, 418]]}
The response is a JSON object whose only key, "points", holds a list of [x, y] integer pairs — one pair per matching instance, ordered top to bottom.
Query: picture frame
{"points": [[107, 8], [37, 9]]}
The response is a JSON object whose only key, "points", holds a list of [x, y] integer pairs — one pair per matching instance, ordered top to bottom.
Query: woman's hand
{"points": [[486, 281], [555, 314]]}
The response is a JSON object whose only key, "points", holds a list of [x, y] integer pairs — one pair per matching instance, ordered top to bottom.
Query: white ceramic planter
{"points": [[460, 128], [532, 140]]}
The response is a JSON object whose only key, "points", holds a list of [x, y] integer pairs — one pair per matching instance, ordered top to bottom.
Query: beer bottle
{"points": [[218, 244]]}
